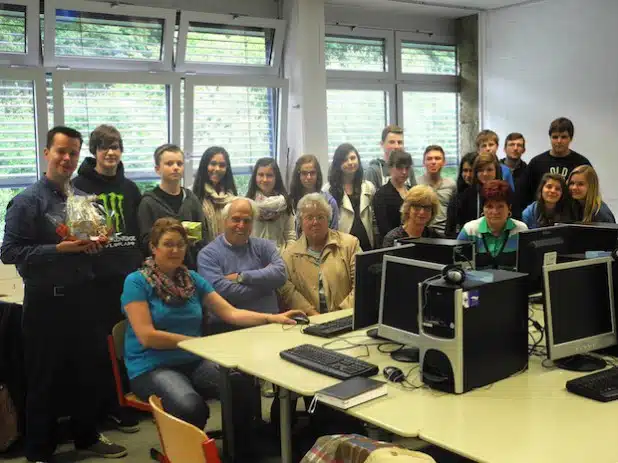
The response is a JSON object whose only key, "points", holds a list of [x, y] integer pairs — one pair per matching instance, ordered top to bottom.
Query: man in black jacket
{"points": [[103, 176], [59, 325]]}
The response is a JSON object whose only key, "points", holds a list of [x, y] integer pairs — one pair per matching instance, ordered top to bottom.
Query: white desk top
{"points": [[526, 418]]}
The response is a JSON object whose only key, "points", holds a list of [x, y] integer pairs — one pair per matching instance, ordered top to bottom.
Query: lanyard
{"points": [[505, 237]]}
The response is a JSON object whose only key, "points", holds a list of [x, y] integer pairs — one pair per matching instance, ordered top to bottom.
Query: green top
{"points": [[495, 243]]}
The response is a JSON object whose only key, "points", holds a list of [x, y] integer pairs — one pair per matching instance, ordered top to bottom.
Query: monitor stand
{"points": [[408, 354], [581, 362]]}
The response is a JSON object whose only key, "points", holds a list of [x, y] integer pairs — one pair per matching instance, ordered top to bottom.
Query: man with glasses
{"points": [[103, 175], [243, 269]]}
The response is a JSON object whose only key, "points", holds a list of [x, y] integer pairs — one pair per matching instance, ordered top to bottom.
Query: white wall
{"points": [[550, 59]]}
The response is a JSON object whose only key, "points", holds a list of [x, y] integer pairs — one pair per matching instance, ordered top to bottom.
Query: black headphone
{"points": [[615, 254], [454, 274]]}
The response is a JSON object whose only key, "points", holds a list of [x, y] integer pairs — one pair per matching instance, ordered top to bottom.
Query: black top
{"points": [[545, 162], [520, 179], [120, 197], [173, 201], [387, 206], [358, 229]]}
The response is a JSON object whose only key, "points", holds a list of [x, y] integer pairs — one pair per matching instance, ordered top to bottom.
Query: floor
{"points": [[140, 443]]}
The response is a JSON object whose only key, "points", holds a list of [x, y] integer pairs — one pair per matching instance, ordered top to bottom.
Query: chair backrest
{"points": [[118, 335], [182, 442]]}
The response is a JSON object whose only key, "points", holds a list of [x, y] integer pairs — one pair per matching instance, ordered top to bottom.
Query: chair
{"points": [[115, 346], [182, 442]]}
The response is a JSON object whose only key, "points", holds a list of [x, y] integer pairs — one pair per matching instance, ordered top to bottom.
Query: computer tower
{"points": [[474, 333]]}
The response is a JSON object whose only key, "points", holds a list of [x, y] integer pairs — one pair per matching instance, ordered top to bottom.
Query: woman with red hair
{"points": [[495, 233]]}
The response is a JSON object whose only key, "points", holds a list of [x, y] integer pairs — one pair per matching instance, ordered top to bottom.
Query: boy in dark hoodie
{"points": [[378, 171], [103, 176], [170, 199]]}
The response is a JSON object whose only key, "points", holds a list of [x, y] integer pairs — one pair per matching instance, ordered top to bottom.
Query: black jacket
{"points": [[120, 198], [153, 208], [387, 208], [12, 371]]}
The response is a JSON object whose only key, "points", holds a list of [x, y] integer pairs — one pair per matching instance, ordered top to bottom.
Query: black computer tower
{"points": [[475, 333]]}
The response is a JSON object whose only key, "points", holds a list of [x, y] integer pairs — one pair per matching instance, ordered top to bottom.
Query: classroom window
{"points": [[12, 28], [355, 54], [419, 58], [138, 111], [356, 117], [431, 118], [240, 119]]}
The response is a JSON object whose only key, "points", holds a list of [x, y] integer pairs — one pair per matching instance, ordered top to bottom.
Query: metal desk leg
{"points": [[226, 414], [286, 425]]}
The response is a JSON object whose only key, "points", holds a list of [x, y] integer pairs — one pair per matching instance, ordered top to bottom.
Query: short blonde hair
{"points": [[420, 194]]}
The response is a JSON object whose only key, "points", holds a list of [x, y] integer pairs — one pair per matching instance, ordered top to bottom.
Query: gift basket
{"points": [[83, 218]]}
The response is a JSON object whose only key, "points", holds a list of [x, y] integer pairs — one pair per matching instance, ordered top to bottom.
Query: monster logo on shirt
{"points": [[113, 205]]}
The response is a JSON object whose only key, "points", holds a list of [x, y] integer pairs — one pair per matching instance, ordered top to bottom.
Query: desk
{"points": [[528, 418]]}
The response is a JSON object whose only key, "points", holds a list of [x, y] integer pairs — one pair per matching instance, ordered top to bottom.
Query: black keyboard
{"points": [[331, 328], [328, 362], [601, 386]]}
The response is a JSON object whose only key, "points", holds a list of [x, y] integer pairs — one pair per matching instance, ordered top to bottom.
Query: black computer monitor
{"points": [[592, 237], [534, 248], [439, 250], [368, 280], [399, 302], [579, 312]]}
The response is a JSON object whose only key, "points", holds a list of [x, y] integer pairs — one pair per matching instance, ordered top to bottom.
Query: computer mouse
{"points": [[300, 319], [393, 374]]}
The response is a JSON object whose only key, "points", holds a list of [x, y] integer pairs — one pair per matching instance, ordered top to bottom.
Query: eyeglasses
{"points": [[113, 147], [308, 173], [421, 207], [311, 218], [180, 245]]}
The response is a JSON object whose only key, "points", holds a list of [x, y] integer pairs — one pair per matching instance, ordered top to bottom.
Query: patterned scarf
{"points": [[213, 206], [270, 207], [173, 291]]}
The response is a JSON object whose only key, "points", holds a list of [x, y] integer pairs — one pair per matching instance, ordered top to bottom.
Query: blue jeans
{"points": [[183, 389]]}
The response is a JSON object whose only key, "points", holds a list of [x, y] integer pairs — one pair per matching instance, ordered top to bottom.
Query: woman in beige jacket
{"points": [[320, 264]]}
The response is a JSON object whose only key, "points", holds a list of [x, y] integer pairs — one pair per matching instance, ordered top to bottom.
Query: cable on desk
{"points": [[535, 342], [350, 345]]}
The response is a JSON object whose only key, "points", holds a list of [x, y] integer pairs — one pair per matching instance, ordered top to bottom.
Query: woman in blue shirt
{"points": [[553, 203], [163, 302]]}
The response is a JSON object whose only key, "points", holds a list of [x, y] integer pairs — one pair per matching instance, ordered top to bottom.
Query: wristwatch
{"points": [[239, 278]]}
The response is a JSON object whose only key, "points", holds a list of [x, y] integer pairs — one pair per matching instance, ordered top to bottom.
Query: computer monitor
{"points": [[592, 237], [535, 248], [440, 251], [368, 281], [399, 300], [579, 312]]}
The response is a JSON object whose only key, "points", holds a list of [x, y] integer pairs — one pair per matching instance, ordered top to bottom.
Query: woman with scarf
{"points": [[214, 186], [276, 217], [165, 302]]}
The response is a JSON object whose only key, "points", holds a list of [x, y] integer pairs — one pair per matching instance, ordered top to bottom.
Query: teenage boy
{"points": [[487, 141], [514, 148], [560, 159], [434, 160], [378, 171], [103, 175], [170, 199], [59, 326]]}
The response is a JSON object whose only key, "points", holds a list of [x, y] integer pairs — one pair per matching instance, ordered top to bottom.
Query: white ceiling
{"points": [[441, 8]]}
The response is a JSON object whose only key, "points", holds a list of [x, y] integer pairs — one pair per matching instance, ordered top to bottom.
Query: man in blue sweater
{"points": [[244, 270]]}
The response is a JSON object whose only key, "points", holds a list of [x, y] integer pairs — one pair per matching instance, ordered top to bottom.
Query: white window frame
{"points": [[186, 17], [362, 33], [33, 37], [85, 62], [37, 76], [59, 78], [430, 79], [234, 81]]}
